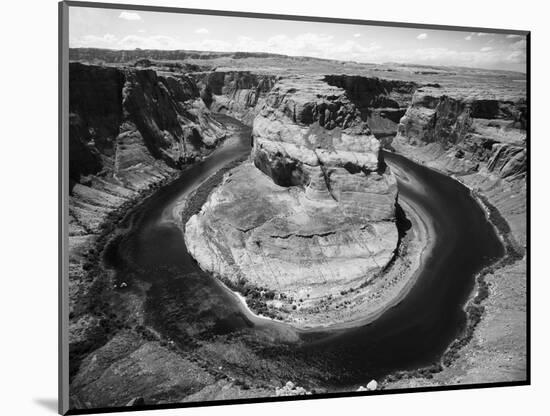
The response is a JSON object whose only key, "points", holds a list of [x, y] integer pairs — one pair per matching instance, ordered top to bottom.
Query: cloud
{"points": [[129, 16], [202, 31], [472, 34], [357, 35], [422, 36], [513, 36], [105, 41], [128, 42], [151, 42], [307, 44], [312, 44], [519, 45], [486, 49], [519, 52], [496, 59]]}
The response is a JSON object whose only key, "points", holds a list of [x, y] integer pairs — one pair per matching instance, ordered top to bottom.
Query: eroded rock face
{"points": [[237, 93], [381, 102], [129, 129], [463, 133], [311, 135], [478, 136], [313, 212]]}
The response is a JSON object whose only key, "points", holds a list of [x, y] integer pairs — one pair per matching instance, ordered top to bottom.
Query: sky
{"points": [[127, 29]]}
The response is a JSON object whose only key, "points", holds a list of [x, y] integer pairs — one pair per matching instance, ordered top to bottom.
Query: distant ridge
{"points": [[128, 55], [123, 56]]}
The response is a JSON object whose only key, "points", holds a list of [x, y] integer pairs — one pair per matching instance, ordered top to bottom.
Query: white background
{"points": [[28, 217]]}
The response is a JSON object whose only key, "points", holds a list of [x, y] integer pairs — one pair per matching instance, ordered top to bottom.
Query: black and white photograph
{"points": [[266, 207]]}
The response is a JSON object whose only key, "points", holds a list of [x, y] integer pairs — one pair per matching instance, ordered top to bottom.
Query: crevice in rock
{"points": [[325, 176], [308, 236]]}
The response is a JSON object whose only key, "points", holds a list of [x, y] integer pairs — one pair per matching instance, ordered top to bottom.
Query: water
{"points": [[191, 307]]}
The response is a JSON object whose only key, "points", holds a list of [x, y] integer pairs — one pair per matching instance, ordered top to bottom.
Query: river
{"points": [[192, 308]]}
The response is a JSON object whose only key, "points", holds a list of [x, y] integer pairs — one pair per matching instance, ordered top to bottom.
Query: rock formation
{"points": [[237, 93], [382, 102], [114, 110], [129, 129], [472, 132], [480, 138], [313, 212], [371, 386], [290, 389]]}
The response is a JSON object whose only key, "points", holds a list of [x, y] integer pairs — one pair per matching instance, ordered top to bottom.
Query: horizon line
{"points": [[298, 56]]}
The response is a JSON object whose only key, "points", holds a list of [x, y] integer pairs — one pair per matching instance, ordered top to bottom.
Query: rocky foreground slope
{"points": [[313, 213]]}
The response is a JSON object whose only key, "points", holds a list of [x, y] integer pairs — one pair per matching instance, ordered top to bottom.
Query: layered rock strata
{"points": [[236, 93], [382, 102], [130, 130], [482, 140], [313, 213]]}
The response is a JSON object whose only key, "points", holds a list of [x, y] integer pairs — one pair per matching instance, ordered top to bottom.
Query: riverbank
{"points": [[99, 211], [92, 316]]}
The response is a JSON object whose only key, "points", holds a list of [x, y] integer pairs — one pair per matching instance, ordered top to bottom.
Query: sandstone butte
{"points": [[312, 213]]}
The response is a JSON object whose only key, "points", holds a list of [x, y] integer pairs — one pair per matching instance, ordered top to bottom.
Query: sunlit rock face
{"points": [[236, 93], [382, 102], [462, 132], [477, 135], [313, 210]]}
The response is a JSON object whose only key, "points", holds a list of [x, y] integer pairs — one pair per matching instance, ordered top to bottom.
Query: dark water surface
{"points": [[191, 307]]}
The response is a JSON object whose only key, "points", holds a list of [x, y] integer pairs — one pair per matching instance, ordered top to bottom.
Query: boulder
{"points": [[372, 385], [290, 389], [136, 401]]}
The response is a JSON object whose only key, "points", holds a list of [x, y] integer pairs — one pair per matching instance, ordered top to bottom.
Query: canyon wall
{"points": [[236, 93], [381, 102], [129, 131], [483, 132], [480, 139], [313, 212]]}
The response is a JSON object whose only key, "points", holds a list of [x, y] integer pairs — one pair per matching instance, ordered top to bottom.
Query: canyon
{"points": [[310, 230]]}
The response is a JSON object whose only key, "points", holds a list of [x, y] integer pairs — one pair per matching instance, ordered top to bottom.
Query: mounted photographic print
{"points": [[263, 207]]}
